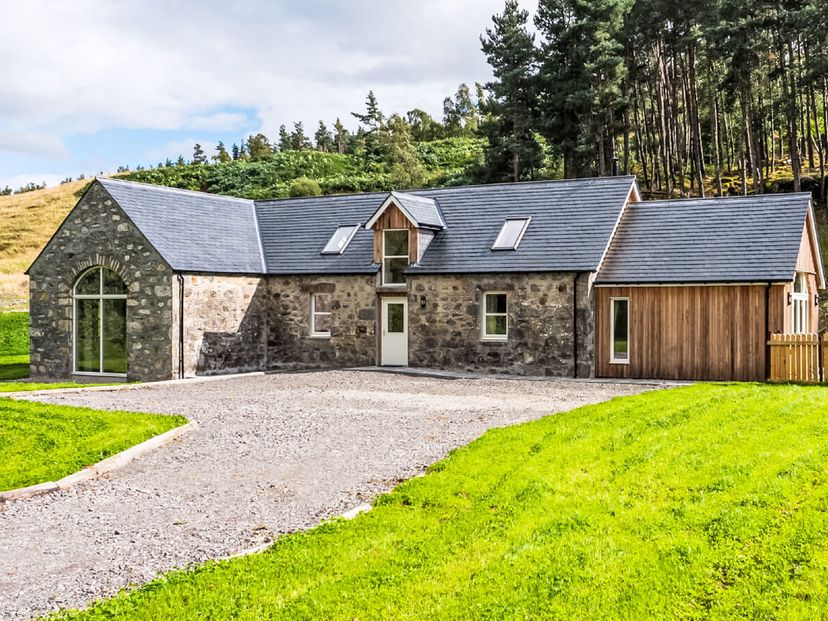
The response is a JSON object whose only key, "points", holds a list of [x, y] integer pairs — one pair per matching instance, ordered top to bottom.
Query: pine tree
{"points": [[373, 118], [423, 126], [341, 136], [284, 139], [298, 139], [324, 139], [513, 150], [235, 151], [198, 155], [221, 156], [406, 168]]}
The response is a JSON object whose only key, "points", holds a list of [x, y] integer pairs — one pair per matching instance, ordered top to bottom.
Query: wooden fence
{"points": [[798, 357]]}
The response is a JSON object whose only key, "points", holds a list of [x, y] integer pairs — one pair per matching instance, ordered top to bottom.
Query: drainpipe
{"points": [[575, 325], [180, 326]]}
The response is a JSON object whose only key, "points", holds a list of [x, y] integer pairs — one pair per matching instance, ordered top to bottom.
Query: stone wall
{"points": [[97, 232], [353, 322], [446, 324], [224, 326]]}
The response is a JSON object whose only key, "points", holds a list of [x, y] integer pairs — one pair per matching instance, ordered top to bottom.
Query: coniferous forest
{"points": [[695, 97]]}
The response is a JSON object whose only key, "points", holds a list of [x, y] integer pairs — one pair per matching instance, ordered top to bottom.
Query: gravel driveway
{"points": [[271, 454]]}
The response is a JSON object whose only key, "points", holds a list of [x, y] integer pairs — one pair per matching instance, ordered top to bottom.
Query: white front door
{"points": [[394, 345]]}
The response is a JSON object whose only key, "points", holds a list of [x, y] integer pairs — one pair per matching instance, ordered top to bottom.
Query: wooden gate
{"points": [[798, 357]]}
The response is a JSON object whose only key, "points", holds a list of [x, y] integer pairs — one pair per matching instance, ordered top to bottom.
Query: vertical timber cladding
{"points": [[393, 218], [687, 333]]}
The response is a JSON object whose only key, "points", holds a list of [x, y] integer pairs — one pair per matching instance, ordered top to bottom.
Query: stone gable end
{"points": [[98, 232]]}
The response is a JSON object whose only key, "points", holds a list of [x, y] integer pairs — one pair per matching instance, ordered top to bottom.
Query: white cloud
{"points": [[98, 64], [33, 143]]}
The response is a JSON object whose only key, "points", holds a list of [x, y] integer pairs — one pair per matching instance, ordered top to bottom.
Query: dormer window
{"points": [[511, 234], [340, 239], [394, 256]]}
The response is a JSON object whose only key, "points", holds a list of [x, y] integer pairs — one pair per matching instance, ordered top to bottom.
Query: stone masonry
{"points": [[98, 232], [446, 324]]}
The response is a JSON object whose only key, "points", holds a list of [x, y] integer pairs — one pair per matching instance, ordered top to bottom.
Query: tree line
{"points": [[695, 97]]}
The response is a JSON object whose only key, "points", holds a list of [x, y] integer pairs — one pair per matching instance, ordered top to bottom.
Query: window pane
{"points": [[510, 234], [339, 239], [396, 243], [394, 272], [112, 283], [799, 283], [90, 284], [495, 302], [322, 303], [396, 318], [322, 323], [496, 326], [87, 340], [620, 345], [115, 355]]}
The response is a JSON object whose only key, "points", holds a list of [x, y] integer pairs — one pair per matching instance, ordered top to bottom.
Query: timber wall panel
{"points": [[393, 218], [703, 333]]}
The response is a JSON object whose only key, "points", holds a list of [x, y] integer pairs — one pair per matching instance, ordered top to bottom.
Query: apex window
{"points": [[394, 256], [799, 301], [100, 305], [495, 317], [620, 330]]}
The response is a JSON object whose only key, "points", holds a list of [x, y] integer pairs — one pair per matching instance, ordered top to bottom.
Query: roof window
{"points": [[511, 234], [340, 239]]}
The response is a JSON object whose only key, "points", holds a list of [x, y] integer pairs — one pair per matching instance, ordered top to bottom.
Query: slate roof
{"points": [[424, 211], [572, 221], [193, 231], [732, 239]]}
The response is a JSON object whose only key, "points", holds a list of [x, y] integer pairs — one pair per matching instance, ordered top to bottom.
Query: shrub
{"points": [[303, 186]]}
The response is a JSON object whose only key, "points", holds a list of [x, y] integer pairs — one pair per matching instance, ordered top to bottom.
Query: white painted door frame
{"points": [[394, 332]]}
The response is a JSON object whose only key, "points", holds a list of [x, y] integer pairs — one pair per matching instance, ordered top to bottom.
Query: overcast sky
{"points": [[87, 85]]}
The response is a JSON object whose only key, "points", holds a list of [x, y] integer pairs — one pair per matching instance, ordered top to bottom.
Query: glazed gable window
{"points": [[394, 256], [799, 301], [320, 315], [495, 317], [99, 325]]}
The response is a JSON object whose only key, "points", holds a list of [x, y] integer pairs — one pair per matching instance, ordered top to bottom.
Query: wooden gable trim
{"points": [[389, 204], [816, 254]]}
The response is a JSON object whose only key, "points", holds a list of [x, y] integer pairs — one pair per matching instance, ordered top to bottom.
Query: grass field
{"points": [[14, 346], [46, 442], [709, 501]]}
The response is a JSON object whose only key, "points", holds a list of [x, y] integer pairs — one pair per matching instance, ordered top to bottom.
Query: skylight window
{"points": [[511, 234], [340, 239]]}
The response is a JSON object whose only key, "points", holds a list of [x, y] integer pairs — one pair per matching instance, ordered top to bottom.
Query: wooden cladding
{"points": [[393, 218], [688, 333], [797, 357]]}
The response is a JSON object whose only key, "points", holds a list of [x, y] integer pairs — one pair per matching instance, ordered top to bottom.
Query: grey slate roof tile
{"points": [[424, 210], [572, 221], [193, 231], [731, 239]]}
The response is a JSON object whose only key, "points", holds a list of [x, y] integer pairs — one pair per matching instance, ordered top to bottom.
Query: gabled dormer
{"points": [[403, 226]]}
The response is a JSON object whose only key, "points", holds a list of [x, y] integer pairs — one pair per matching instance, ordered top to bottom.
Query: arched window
{"points": [[100, 323]]}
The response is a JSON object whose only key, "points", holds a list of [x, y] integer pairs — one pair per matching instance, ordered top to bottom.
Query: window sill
{"points": [[320, 337], [495, 339], [619, 361], [94, 374]]}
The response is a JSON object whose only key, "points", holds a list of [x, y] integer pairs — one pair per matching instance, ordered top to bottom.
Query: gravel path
{"points": [[272, 454]]}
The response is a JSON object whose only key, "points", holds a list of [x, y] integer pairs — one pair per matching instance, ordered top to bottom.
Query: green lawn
{"points": [[14, 346], [41, 443], [709, 501]]}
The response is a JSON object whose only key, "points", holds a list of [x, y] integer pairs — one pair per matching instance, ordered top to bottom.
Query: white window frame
{"points": [[526, 221], [345, 242], [395, 256], [100, 297], [800, 302], [314, 333], [484, 335], [613, 359]]}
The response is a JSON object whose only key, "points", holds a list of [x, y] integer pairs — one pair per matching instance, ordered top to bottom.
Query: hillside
{"points": [[26, 223]]}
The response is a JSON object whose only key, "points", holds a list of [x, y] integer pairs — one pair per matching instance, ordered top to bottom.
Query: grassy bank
{"points": [[14, 346], [47, 442], [706, 501]]}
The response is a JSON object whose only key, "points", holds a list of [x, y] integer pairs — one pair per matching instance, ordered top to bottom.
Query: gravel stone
{"points": [[271, 454]]}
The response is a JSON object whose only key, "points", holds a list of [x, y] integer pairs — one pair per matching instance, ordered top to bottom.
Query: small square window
{"points": [[511, 234], [340, 239], [320, 314], [495, 317]]}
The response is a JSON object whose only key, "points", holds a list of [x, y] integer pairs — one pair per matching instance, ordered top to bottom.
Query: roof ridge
{"points": [[167, 188], [697, 199]]}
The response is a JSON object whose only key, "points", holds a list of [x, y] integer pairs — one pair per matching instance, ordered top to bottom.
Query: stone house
{"points": [[152, 283]]}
